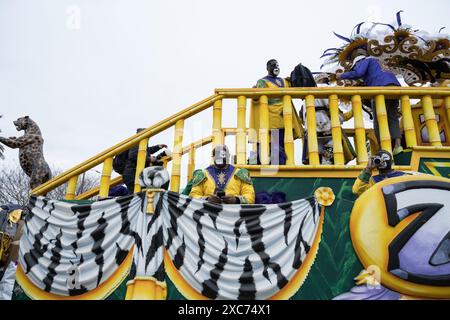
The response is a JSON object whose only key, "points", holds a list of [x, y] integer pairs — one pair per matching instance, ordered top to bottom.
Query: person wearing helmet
{"points": [[276, 119], [383, 162], [222, 182]]}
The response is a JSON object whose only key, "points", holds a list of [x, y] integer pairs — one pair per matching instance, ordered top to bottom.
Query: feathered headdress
{"points": [[420, 57]]}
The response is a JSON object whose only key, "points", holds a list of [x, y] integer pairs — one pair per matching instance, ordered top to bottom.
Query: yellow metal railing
{"points": [[333, 94]]}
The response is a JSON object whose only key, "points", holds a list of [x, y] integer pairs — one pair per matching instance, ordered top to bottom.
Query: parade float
{"points": [[393, 242]]}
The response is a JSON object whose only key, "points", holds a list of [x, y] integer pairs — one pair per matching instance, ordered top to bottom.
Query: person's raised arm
{"points": [[358, 71], [154, 149]]}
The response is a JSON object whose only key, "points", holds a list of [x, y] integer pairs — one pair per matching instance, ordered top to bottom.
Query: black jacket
{"points": [[130, 166]]}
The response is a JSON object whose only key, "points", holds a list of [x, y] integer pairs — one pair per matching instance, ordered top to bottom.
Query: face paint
{"points": [[273, 68], [221, 156], [384, 161]]}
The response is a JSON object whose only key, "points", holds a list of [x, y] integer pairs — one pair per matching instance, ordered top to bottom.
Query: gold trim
{"points": [[427, 152], [433, 165], [146, 288], [288, 291], [99, 293]]}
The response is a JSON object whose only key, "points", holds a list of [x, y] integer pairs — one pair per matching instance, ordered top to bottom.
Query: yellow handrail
{"points": [[325, 92], [263, 94], [447, 108], [430, 121], [408, 122], [217, 123], [264, 130], [288, 130], [312, 130], [336, 130], [360, 131], [385, 136], [126, 144], [241, 149], [177, 150], [140, 163], [191, 163], [106, 177], [71, 188], [93, 192]]}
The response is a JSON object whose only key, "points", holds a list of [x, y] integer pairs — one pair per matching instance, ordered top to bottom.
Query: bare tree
{"points": [[2, 149], [15, 186]]}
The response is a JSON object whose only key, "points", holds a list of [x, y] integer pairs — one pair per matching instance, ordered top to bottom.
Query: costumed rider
{"points": [[371, 71], [276, 119], [323, 128], [383, 162], [125, 163], [222, 182], [11, 224]]}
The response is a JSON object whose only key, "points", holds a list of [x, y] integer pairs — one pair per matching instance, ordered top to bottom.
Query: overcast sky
{"points": [[90, 72]]}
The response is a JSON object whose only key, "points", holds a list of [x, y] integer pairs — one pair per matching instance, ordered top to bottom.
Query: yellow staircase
{"points": [[435, 104]]}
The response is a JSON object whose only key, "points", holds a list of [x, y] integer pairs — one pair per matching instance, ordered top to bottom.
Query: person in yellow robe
{"points": [[276, 119], [222, 182]]}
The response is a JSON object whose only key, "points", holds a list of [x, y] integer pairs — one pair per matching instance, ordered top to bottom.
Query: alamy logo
{"points": [[73, 20], [73, 282]]}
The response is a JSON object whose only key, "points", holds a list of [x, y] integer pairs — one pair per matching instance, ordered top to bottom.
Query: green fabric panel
{"points": [[403, 158], [443, 170], [78, 201], [336, 263], [172, 291], [120, 292], [18, 293]]}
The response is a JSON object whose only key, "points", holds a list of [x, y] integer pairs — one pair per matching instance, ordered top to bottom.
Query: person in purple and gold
{"points": [[370, 70], [276, 119], [383, 162], [222, 182]]}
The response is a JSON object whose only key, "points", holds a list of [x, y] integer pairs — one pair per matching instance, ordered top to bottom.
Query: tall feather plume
{"points": [[399, 18], [342, 37]]}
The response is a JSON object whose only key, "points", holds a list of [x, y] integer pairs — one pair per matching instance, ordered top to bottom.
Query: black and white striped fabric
{"points": [[69, 249], [238, 251], [223, 252], [148, 261]]}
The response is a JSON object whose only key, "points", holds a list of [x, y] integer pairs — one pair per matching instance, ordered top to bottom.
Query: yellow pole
{"points": [[447, 107], [430, 121], [217, 123], [408, 123], [383, 124], [264, 130], [288, 130], [336, 130], [360, 131], [313, 148], [241, 151], [176, 156], [140, 163], [191, 164], [105, 180], [71, 188]]}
